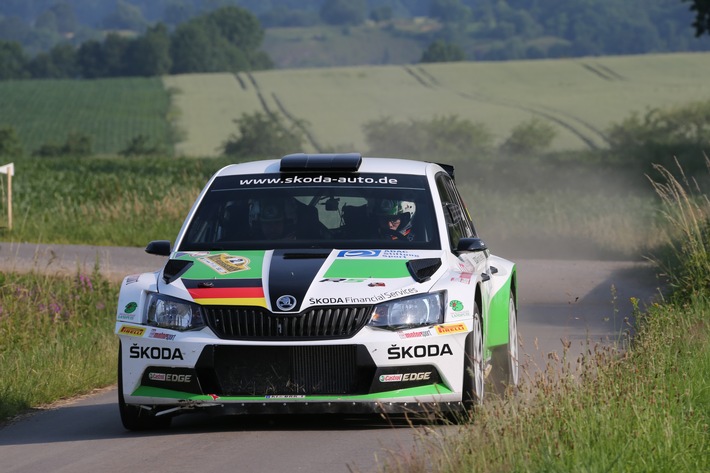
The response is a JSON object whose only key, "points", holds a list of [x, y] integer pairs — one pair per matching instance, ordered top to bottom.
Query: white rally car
{"points": [[318, 283]]}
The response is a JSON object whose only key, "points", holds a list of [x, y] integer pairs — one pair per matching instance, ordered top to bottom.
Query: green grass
{"points": [[110, 111], [104, 201], [57, 338], [645, 410]]}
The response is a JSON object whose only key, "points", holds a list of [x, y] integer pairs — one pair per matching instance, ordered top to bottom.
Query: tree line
{"points": [[178, 36], [227, 39]]}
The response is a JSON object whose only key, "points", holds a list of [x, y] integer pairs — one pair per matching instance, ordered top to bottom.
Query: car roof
{"points": [[367, 165]]}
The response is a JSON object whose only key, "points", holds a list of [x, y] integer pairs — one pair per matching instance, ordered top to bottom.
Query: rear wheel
{"points": [[505, 372], [473, 373], [133, 417]]}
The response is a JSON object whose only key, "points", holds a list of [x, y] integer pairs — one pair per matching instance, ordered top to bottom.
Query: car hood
{"points": [[290, 281]]}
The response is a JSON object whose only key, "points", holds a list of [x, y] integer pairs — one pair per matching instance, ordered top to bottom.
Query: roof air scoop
{"points": [[321, 162], [423, 269]]}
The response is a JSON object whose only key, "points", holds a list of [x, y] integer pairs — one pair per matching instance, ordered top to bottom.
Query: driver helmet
{"points": [[395, 208]]}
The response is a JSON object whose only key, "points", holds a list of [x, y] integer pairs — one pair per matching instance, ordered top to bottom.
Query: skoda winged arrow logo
{"points": [[286, 303]]}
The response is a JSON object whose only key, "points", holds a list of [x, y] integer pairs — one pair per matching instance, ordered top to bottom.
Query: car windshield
{"points": [[314, 211]]}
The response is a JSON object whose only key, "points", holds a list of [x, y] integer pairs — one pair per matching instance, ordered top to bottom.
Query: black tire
{"points": [[505, 365], [473, 369], [135, 418]]}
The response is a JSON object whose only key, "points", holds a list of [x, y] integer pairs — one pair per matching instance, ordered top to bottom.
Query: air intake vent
{"points": [[321, 162], [175, 268], [423, 269], [285, 370]]}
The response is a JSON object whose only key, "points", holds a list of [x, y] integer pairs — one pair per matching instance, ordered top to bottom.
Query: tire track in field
{"points": [[602, 71], [611, 72], [417, 77], [430, 78], [241, 81], [260, 96], [557, 116], [289, 117], [298, 123]]}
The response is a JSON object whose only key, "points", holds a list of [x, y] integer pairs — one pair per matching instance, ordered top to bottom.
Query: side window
{"points": [[466, 215], [458, 224]]}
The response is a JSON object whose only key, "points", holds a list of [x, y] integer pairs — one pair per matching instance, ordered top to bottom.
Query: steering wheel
{"points": [[394, 234]]}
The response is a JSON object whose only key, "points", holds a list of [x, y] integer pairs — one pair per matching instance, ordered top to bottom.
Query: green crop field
{"points": [[580, 97], [110, 111]]}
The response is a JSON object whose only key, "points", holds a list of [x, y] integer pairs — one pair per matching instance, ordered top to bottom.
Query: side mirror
{"points": [[471, 244], [158, 247]]}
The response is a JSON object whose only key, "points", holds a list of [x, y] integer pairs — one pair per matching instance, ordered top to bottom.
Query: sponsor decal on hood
{"points": [[224, 265], [368, 268], [225, 278], [290, 280]]}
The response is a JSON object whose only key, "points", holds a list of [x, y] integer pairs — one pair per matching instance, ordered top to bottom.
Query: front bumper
{"points": [[308, 378]]}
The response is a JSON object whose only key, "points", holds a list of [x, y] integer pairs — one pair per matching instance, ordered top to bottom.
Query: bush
{"points": [[441, 51], [662, 135], [264, 136], [531, 137], [442, 138], [9, 142], [77, 144], [140, 146], [685, 259]]}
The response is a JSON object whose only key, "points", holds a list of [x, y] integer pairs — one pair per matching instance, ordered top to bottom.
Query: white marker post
{"points": [[9, 169]]}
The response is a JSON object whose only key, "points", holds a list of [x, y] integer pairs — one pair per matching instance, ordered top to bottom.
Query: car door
{"points": [[459, 225]]}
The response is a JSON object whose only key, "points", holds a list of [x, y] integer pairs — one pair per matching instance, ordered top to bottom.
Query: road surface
{"points": [[578, 302]]}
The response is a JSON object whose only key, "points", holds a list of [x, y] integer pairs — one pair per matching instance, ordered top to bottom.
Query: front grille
{"points": [[255, 323], [285, 370]]}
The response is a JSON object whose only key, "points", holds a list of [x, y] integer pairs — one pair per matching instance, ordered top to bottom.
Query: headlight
{"points": [[411, 312], [174, 314]]}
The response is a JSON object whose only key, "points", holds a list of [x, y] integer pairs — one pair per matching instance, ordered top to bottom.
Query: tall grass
{"points": [[104, 201], [686, 208], [56, 338], [645, 408]]}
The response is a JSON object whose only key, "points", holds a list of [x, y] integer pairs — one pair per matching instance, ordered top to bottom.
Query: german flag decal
{"points": [[245, 292]]}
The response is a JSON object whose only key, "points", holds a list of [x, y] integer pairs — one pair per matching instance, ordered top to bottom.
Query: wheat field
{"points": [[580, 97]]}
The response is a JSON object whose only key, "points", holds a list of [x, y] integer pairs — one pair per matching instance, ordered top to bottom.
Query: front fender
{"points": [[502, 284], [132, 296]]}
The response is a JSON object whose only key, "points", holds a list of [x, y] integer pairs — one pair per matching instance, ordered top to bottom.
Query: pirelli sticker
{"points": [[224, 263], [450, 328], [131, 330]]}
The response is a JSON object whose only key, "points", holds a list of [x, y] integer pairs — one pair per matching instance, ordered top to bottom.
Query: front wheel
{"points": [[505, 372], [473, 373], [133, 417]]}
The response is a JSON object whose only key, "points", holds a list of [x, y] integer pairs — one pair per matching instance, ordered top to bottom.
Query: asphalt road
{"points": [[576, 302]]}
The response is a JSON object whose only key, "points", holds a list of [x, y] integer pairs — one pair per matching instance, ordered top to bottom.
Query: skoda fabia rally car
{"points": [[323, 284]]}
